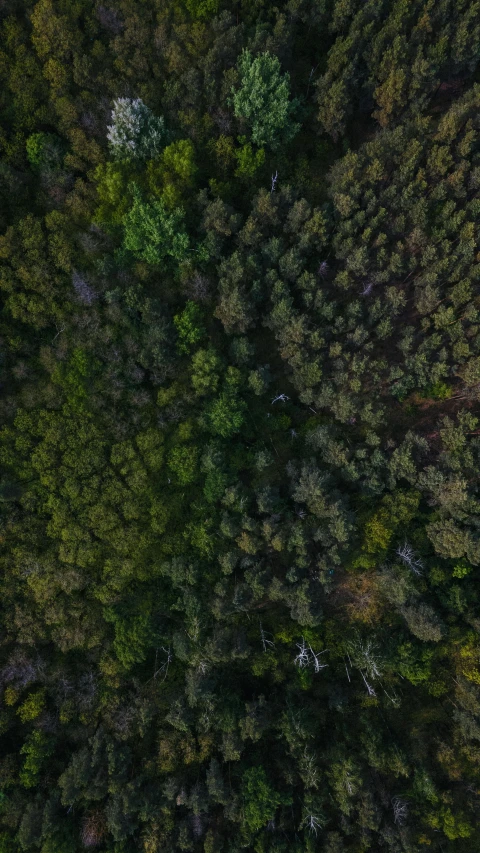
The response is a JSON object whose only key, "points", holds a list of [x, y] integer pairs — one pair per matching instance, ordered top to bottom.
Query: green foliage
{"points": [[202, 9], [380, 44], [263, 101], [43, 151], [249, 161], [171, 175], [113, 192], [152, 233], [190, 328], [206, 367], [73, 378], [259, 380], [439, 391], [225, 415], [182, 461], [215, 483], [239, 491], [394, 513], [461, 570], [133, 637], [414, 663], [32, 707], [37, 748], [260, 800], [453, 826], [7, 843]]}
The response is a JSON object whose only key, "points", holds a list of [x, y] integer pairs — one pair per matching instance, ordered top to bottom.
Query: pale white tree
{"points": [[135, 132], [366, 657], [318, 665]]}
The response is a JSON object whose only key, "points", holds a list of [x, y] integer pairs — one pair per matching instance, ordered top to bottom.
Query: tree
{"points": [[202, 8], [263, 100], [135, 133], [44, 150], [171, 174], [152, 233], [190, 328], [206, 366], [225, 414], [182, 461], [240, 536], [423, 622], [36, 749], [260, 801]]}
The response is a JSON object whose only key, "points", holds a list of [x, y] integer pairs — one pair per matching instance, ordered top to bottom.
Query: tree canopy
{"points": [[239, 426]]}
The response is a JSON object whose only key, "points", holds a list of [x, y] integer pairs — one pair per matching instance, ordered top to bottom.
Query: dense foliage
{"points": [[240, 440]]}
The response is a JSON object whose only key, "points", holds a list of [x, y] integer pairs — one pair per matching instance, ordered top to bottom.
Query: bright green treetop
{"points": [[263, 100], [153, 233]]}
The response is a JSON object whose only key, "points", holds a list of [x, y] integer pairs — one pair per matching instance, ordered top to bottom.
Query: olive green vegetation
{"points": [[240, 426]]}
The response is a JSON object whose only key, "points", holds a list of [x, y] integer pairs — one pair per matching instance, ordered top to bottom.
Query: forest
{"points": [[240, 426]]}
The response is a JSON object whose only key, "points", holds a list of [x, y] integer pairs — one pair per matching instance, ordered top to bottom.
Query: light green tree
{"points": [[263, 100], [153, 233], [189, 325], [205, 371], [260, 801]]}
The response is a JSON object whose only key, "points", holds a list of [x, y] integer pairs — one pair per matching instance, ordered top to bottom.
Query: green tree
{"points": [[202, 9], [263, 100], [44, 150], [249, 161], [172, 175], [153, 233], [190, 328], [206, 366], [225, 414], [182, 461], [36, 749], [260, 800]]}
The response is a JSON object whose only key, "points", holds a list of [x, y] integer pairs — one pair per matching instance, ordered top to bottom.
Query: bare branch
{"points": [[407, 556], [266, 643], [306, 657], [302, 659], [166, 664], [370, 690], [400, 811], [313, 823]]}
